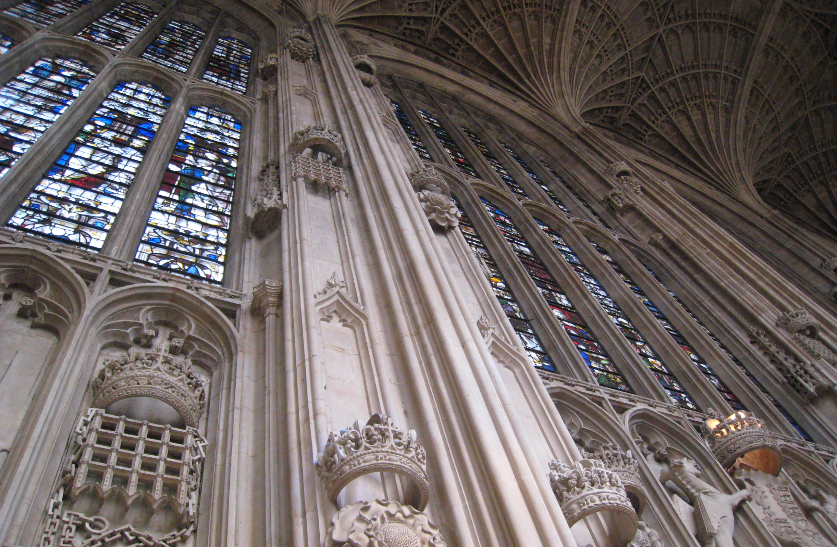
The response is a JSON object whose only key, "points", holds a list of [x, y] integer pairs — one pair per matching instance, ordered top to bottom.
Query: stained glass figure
{"points": [[45, 12], [119, 26], [5, 44], [175, 47], [229, 65], [33, 100], [415, 140], [448, 144], [495, 163], [535, 178], [81, 194], [575, 194], [188, 227], [523, 328], [679, 339], [735, 360], [672, 386]]}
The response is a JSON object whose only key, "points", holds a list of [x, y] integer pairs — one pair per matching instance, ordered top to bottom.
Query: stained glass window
{"points": [[45, 12], [119, 26], [5, 44], [175, 47], [229, 65], [33, 100], [415, 140], [448, 144], [495, 163], [535, 177], [81, 194], [575, 194], [188, 227], [508, 302], [695, 357], [735, 360], [672, 386]]}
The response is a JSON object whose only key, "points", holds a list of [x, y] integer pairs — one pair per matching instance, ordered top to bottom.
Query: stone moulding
{"points": [[300, 44], [152, 374], [743, 436], [379, 446], [625, 465], [587, 487], [382, 523]]}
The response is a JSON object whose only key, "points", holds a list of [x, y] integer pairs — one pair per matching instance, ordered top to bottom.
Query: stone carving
{"points": [[300, 45], [268, 66], [367, 69], [325, 144], [622, 172], [319, 174], [428, 178], [434, 196], [618, 201], [266, 206], [830, 265], [332, 285], [267, 296], [28, 307], [798, 321], [485, 326], [814, 347], [158, 373], [806, 379], [745, 437], [378, 446], [625, 465], [587, 487], [815, 499], [775, 506], [713, 510], [382, 523], [645, 537]]}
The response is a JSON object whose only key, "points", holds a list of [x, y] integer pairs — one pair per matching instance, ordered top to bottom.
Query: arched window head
{"points": [[45, 12], [119, 26], [175, 47], [229, 65], [33, 100], [79, 197], [188, 228]]}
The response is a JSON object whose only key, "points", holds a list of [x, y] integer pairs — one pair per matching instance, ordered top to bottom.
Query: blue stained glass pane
{"points": [[45, 12], [119, 26], [5, 44], [175, 47], [229, 65], [33, 100], [415, 140], [448, 144], [495, 163], [535, 178], [81, 194], [575, 194], [188, 226], [521, 326]]}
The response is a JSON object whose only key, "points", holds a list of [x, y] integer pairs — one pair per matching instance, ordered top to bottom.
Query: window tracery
{"points": [[45, 12], [119, 26], [175, 47], [229, 65], [33, 100], [414, 138], [448, 144], [498, 167], [535, 177], [575, 194], [79, 197]]}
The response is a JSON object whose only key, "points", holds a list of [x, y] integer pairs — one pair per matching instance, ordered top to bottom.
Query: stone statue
{"points": [[816, 499], [714, 517]]}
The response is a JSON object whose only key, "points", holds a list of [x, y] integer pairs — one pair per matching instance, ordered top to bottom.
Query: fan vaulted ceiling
{"points": [[740, 92]]}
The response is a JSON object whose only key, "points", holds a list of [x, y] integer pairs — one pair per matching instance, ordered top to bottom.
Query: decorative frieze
{"points": [[300, 44], [266, 206], [743, 437], [378, 446], [625, 465], [587, 487], [382, 523]]}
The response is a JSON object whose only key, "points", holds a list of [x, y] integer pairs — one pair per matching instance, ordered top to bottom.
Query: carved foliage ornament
{"points": [[300, 45], [434, 196], [266, 206], [743, 436], [378, 446], [587, 487], [382, 523]]}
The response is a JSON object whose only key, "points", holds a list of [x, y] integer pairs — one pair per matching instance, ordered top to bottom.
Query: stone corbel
{"points": [[300, 44], [268, 66], [266, 206], [267, 297], [334, 300]]}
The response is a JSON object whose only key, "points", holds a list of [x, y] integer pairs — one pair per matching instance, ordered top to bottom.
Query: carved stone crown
{"points": [[300, 45], [367, 69], [320, 138], [428, 178], [798, 321], [159, 374], [743, 436], [378, 446], [623, 464], [587, 487]]}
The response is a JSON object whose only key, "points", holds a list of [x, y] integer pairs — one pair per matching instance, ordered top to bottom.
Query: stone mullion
{"points": [[73, 23], [139, 44], [201, 58], [437, 152], [124, 236], [608, 335]]}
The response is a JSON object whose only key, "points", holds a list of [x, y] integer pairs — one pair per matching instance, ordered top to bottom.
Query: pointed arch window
{"points": [[45, 12], [119, 26], [5, 43], [176, 46], [229, 65], [33, 100], [415, 140], [448, 144], [495, 163], [535, 177], [575, 194], [79, 197], [187, 231], [507, 300], [679, 339], [592, 353], [672, 386]]}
